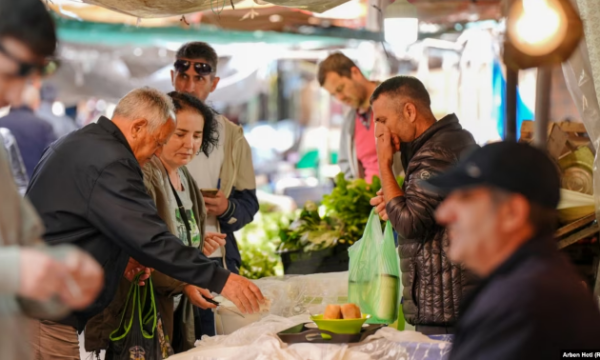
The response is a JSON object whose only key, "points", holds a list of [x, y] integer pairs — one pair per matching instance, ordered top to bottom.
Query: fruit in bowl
{"points": [[344, 319]]}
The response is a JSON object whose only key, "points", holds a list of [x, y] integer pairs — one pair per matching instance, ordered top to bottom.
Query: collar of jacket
{"points": [[22, 108], [111, 128], [233, 135], [408, 150], [538, 246]]}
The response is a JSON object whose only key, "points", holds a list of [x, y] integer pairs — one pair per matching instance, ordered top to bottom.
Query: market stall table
{"points": [[260, 341]]}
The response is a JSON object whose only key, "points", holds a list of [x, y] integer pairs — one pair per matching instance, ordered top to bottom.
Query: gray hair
{"points": [[147, 103]]}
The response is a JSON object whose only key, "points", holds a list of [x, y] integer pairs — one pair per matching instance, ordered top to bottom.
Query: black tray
{"points": [[301, 334]]}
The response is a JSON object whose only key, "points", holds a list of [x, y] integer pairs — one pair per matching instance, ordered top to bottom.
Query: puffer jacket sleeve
{"points": [[413, 214]]}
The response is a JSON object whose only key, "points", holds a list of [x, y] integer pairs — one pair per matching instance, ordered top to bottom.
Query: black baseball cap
{"points": [[510, 166]]}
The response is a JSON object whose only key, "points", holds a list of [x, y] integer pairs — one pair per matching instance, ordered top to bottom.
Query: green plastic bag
{"points": [[374, 273]]}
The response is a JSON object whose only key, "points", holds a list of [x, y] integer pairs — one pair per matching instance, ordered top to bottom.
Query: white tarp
{"points": [[165, 8], [259, 341]]}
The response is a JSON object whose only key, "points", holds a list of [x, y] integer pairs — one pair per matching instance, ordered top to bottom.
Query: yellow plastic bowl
{"points": [[340, 326]]}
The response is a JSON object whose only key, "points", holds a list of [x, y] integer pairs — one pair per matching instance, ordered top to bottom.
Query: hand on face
{"points": [[387, 144], [379, 203], [216, 205]]}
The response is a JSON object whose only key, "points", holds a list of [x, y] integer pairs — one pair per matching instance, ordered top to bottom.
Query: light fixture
{"points": [[400, 9], [401, 23], [541, 32]]}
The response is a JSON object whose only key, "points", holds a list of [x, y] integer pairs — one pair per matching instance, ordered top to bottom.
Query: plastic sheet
{"points": [[161, 8], [579, 75], [16, 162], [293, 295], [259, 341]]}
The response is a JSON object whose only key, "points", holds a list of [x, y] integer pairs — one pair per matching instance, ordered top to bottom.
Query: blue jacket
{"points": [[33, 134]]}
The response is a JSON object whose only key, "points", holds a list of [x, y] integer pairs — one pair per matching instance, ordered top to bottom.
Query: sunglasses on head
{"points": [[201, 68], [26, 69]]}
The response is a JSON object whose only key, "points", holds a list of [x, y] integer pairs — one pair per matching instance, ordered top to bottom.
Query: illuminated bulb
{"points": [[537, 27]]}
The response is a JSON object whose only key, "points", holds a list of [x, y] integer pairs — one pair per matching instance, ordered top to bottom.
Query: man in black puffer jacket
{"points": [[433, 286]]}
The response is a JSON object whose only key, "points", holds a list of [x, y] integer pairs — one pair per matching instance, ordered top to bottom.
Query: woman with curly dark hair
{"points": [[181, 206]]}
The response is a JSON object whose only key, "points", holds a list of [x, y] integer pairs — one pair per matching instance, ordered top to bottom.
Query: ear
{"points": [[355, 73], [172, 77], [215, 83], [410, 112], [137, 126], [516, 214]]}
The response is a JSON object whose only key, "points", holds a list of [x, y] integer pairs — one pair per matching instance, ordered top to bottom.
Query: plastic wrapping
{"points": [[161, 8], [578, 72], [16, 162], [374, 275], [259, 341]]}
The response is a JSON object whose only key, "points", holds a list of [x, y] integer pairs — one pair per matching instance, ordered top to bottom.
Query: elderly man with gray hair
{"points": [[89, 191]]}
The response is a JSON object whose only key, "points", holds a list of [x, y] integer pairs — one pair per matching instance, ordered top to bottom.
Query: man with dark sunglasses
{"points": [[228, 169], [35, 280]]}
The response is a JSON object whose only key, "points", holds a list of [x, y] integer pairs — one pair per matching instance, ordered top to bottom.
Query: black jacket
{"points": [[89, 191], [433, 287], [531, 307]]}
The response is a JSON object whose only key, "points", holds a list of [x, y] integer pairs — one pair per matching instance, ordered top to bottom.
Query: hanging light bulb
{"points": [[540, 32]]}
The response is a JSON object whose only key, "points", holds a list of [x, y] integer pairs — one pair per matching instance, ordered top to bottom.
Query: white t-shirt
{"points": [[206, 171]]}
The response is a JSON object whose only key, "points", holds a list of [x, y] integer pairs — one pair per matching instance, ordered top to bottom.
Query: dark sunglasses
{"points": [[201, 68], [26, 69]]}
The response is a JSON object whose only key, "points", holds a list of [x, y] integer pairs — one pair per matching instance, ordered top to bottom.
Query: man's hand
{"points": [[387, 145], [379, 203], [216, 205], [212, 242], [133, 268], [41, 276], [84, 280], [195, 293], [243, 293]]}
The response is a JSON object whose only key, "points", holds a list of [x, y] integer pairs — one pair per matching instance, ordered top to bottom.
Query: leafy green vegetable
{"points": [[342, 221], [258, 242]]}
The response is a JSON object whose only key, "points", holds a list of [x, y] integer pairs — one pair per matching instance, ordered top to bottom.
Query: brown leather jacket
{"points": [[433, 287], [98, 328]]}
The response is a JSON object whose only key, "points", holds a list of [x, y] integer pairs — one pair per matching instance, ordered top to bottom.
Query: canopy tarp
{"points": [[163, 8], [117, 34]]}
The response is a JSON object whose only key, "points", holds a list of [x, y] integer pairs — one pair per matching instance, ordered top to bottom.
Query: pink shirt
{"points": [[366, 150]]}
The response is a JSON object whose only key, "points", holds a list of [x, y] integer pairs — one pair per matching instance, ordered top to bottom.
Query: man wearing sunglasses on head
{"points": [[229, 167], [35, 280]]}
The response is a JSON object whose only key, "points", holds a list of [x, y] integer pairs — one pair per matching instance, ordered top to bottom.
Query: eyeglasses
{"points": [[201, 68], [26, 69]]}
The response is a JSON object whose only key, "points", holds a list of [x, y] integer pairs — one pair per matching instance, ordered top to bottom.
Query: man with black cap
{"points": [[500, 214]]}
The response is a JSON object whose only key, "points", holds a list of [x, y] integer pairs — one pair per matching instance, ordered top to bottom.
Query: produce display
{"points": [[340, 220], [258, 243]]}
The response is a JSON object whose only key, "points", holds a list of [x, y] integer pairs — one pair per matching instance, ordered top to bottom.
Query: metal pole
{"points": [[512, 80], [542, 106], [510, 126]]}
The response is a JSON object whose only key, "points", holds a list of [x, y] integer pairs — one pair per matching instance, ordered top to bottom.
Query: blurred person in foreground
{"points": [[61, 124], [33, 134], [357, 156], [15, 161], [228, 168], [89, 190], [178, 201], [501, 217], [35, 281], [433, 286]]}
